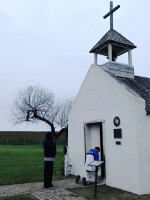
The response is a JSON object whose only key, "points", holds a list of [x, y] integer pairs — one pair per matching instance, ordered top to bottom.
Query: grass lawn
{"points": [[24, 163], [106, 193], [19, 197]]}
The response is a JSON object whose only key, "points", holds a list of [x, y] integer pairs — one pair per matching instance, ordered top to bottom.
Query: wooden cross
{"points": [[111, 13]]}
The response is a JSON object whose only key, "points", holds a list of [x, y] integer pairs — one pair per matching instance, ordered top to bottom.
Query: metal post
{"points": [[96, 170]]}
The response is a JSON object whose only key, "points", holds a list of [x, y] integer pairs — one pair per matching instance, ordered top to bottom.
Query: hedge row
{"points": [[26, 137]]}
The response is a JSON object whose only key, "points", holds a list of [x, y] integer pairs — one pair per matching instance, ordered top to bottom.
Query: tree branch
{"points": [[47, 121], [63, 130]]}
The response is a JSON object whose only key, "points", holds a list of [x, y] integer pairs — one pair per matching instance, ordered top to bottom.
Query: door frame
{"points": [[101, 129]]}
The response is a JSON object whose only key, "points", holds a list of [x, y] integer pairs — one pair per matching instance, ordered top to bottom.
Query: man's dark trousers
{"points": [[48, 173]]}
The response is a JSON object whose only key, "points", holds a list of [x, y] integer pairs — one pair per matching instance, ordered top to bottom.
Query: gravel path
{"points": [[59, 192]]}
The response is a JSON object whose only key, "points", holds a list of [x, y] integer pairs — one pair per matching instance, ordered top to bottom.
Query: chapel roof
{"points": [[120, 44], [141, 86]]}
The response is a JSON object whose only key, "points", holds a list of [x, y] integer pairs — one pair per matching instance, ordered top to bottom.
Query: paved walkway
{"points": [[37, 190]]}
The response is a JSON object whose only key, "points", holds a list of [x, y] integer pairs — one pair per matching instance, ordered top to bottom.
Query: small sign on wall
{"points": [[117, 121], [118, 133], [118, 142]]}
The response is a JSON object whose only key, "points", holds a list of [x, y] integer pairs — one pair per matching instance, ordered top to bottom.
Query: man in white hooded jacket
{"points": [[92, 155]]}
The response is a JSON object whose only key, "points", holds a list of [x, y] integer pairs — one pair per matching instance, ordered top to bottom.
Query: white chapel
{"points": [[112, 111]]}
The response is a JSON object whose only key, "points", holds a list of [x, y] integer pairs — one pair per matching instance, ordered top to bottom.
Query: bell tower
{"points": [[112, 45]]}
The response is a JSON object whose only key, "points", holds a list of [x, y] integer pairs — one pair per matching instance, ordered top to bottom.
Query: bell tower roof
{"points": [[120, 44]]}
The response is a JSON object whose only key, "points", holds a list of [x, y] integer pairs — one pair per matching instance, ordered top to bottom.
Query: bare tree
{"points": [[35, 103]]}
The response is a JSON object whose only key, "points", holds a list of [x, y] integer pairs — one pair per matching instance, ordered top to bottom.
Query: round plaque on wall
{"points": [[117, 121]]}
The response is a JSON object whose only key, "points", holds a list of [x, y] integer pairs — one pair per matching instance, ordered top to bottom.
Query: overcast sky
{"points": [[47, 43]]}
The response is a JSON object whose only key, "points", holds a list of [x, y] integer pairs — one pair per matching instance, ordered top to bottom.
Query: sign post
{"points": [[97, 165]]}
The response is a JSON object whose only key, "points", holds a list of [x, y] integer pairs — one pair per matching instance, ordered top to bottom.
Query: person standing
{"points": [[49, 146], [92, 155]]}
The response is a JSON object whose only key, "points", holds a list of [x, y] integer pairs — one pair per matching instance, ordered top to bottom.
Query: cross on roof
{"points": [[111, 13]]}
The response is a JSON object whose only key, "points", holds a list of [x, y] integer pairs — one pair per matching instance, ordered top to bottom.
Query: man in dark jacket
{"points": [[49, 146]]}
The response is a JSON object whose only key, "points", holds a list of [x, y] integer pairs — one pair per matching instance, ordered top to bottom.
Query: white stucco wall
{"points": [[101, 98], [144, 154]]}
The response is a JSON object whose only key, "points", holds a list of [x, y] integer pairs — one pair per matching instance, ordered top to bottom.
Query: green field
{"points": [[24, 163]]}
